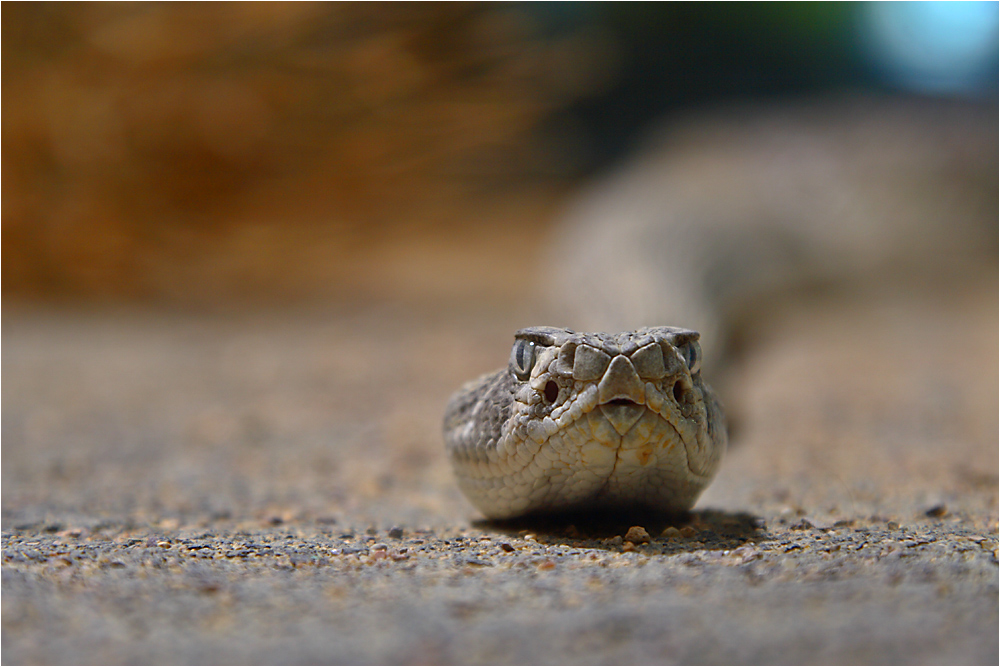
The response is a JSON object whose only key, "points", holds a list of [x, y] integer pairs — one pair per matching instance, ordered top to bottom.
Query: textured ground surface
{"points": [[272, 488]]}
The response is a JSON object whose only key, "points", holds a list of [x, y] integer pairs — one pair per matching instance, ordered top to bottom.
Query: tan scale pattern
{"points": [[632, 423]]}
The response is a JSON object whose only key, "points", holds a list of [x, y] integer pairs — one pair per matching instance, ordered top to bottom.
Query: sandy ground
{"points": [[272, 488]]}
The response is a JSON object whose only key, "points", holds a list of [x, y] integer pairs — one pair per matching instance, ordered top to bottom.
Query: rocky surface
{"points": [[272, 488]]}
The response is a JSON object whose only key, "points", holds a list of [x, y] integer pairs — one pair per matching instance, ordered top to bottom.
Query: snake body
{"points": [[717, 218], [578, 420]]}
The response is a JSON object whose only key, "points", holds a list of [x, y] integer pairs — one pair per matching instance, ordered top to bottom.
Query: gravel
{"points": [[271, 488]]}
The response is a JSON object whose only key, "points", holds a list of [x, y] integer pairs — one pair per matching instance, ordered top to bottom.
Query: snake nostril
{"points": [[551, 391], [678, 392]]}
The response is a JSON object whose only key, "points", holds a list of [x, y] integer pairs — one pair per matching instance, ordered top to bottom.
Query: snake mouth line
{"points": [[620, 401]]}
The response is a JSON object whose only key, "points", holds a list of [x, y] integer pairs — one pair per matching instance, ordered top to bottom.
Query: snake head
{"points": [[588, 419]]}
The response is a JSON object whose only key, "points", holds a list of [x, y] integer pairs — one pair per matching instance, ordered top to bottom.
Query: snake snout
{"points": [[621, 381]]}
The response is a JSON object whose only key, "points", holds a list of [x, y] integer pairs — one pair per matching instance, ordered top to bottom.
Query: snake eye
{"points": [[691, 353], [522, 358]]}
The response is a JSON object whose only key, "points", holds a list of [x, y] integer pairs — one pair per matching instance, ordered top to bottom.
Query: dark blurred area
{"points": [[209, 153]]}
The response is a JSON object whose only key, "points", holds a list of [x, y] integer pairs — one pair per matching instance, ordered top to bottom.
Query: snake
{"points": [[717, 217], [581, 420]]}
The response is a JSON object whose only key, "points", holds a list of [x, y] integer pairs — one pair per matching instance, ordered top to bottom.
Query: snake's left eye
{"points": [[691, 353], [522, 358]]}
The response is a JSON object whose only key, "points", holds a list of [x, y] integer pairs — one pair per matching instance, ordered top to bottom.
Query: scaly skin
{"points": [[580, 421]]}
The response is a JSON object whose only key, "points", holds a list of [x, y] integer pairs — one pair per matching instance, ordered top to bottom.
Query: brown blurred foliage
{"points": [[201, 152]]}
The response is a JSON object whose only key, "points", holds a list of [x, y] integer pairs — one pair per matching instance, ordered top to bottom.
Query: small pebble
{"points": [[937, 511], [801, 524], [892, 525], [395, 532], [688, 532], [670, 533], [637, 535], [506, 547]]}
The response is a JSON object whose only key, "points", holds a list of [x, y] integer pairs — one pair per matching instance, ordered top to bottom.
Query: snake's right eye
{"points": [[522, 358]]}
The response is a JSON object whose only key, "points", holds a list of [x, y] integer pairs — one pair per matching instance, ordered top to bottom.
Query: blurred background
{"points": [[205, 154], [250, 250]]}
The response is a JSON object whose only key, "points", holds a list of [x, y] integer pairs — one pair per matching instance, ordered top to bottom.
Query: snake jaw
{"points": [[622, 416]]}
